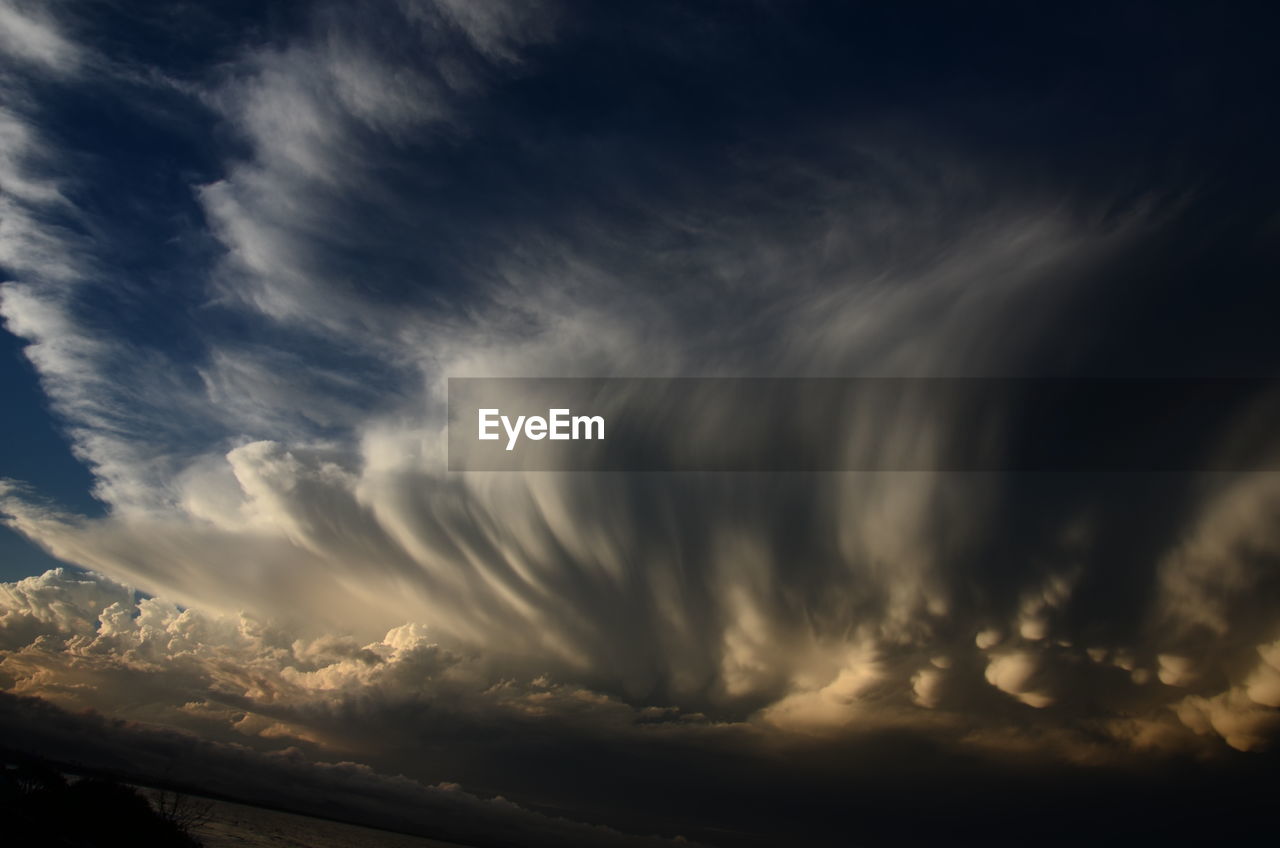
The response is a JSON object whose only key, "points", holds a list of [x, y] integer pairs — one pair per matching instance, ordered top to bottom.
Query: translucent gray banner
{"points": [[863, 424]]}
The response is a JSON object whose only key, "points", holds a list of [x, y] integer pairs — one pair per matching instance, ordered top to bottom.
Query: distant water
{"points": [[241, 826]]}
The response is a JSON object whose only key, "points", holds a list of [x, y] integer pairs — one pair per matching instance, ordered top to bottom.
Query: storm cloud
{"points": [[246, 271]]}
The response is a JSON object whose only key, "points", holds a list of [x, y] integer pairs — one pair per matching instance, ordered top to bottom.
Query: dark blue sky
{"points": [[37, 451]]}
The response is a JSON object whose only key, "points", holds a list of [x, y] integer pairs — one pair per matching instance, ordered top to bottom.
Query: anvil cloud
{"points": [[244, 256]]}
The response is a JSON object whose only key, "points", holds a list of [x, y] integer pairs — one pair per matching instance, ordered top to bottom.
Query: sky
{"points": [[244, 247]]}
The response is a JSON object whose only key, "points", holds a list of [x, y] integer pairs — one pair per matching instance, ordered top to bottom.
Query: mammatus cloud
{"points": [[302, 715]]}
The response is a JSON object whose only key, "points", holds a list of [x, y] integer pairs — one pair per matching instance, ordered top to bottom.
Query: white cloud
{"points": [[497, 28], [30, 34], [1209, 574], [56, 603], [1175, 670], [1018, 674], [1263, 684], [926, 685], [839, 700], [1244, 725]]}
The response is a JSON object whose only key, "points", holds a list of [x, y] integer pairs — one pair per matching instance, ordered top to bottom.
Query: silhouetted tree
{"points": [[40, 807], [183, 811]]}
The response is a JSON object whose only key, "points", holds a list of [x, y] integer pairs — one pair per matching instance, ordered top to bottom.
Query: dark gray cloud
{"points": [[287, 778]]}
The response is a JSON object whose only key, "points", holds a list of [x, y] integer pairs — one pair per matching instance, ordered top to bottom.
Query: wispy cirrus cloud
{"points": [[28, 33]]}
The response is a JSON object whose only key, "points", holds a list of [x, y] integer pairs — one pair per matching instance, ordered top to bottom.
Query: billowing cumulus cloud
{"points": [[254, 363], [257, 692]]}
